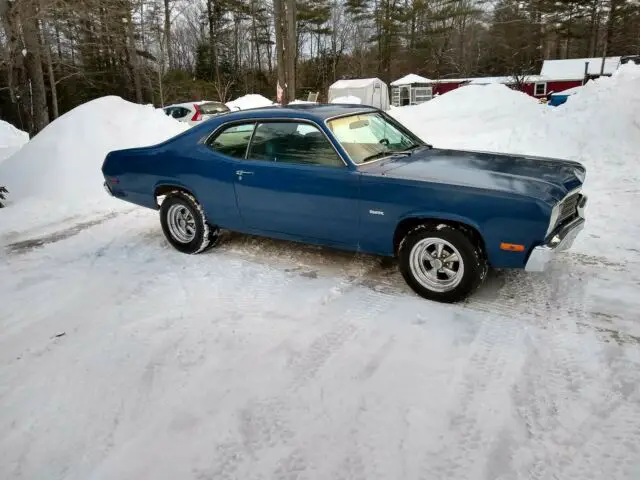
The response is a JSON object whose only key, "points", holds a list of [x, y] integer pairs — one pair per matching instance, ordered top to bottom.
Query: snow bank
{"points": [[348, 99], [252, 100], [302, 102], [465, 113], [599, 126], [11, 140], [60, 168]]}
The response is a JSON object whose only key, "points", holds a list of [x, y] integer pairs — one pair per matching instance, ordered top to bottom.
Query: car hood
{"points": [[542, 178]]}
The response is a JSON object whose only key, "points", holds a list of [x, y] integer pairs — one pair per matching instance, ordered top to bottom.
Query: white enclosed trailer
{"points": [[370, 91]]}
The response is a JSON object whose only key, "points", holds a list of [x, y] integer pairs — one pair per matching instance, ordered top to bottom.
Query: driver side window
{"points": [[293, 142]]}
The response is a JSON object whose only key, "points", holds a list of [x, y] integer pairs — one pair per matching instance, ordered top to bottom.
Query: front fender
{"points": [[444, 216], [493, 231]]}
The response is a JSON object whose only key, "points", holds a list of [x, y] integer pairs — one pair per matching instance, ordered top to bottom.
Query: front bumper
{"points": [[542, 255]]}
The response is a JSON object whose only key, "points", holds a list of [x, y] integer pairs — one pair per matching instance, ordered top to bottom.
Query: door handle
{"points": [[243, 172]]}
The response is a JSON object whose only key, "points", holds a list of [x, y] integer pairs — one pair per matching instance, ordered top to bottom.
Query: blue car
{"points": [[353, 178]]}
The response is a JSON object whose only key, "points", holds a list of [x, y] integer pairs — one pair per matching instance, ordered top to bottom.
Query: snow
{"points": [[573, 68], [410, 79], [491, 80], [354, 83], [569, 91], [348, 99], [252, 100], [301, 102], [467, 105], [11, 140], [61, 166], [268, 359]]}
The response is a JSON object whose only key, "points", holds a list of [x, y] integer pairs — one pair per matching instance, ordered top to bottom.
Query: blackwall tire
{"points": [[184, 224], [442, 263]]}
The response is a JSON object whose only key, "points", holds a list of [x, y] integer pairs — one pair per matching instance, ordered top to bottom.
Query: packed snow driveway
{"points": [[121, 358]]}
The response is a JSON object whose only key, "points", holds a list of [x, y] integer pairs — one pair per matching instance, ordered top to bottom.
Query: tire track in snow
{"points": [[23, 246], [368, 305], [480, 380], [550, 384], [264, 422], [605, 443], [292, 467]]}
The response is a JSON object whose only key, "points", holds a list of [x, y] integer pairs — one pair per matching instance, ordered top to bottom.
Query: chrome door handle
{"points": [[243, 172]]}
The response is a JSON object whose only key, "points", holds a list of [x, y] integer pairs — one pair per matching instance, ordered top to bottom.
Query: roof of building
{"points": [[573, 68], [409, 79], [490, 80], [355, 83]]}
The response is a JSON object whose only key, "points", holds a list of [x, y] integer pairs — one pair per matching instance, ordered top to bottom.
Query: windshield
{"points": [[371, 136]]}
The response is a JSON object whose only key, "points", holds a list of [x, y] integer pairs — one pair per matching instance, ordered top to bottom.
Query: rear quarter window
{"points": [[232, 140]]}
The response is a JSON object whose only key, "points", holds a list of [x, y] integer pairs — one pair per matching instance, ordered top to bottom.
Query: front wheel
{"points": [[184, 224], [441, 263]]}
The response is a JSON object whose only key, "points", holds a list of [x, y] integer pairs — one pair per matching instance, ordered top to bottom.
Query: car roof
{"points": [[302, 110]]}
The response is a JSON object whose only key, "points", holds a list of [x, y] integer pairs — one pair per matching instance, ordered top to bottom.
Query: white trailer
{"points": [[370, 91]]}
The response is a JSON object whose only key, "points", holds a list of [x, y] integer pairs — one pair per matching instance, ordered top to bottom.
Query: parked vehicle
{"points": [[558, 98], [195, 113], [352, 177]]}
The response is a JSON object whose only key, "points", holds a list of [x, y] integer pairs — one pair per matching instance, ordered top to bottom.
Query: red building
{"points": [[555, 76], [535, 85]]}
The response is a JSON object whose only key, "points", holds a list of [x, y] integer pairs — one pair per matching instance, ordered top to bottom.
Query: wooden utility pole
{"points": [[278, 17], [167, 32], [286, 48], [291, 50], [33, 62], [134, 62], [53, 88]]}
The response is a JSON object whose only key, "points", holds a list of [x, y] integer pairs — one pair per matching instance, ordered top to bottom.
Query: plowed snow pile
{"points": [[348, 99], [253, 100], [598, 126], [11, 140], [58, 173]]}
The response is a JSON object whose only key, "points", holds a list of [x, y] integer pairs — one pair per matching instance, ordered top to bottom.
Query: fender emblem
{"points": [[376, 212]]}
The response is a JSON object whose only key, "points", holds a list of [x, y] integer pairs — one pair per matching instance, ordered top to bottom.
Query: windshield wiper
{"points": [[410, 149], [386, 153]]}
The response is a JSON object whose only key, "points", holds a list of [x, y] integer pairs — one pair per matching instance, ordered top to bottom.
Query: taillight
{"points": [[198, 115]]}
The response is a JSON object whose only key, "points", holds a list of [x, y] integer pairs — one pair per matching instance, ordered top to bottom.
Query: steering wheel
{"points": [[384, 141]]}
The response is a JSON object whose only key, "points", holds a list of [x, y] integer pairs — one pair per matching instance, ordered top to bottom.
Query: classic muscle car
{"points": [[352, 177]]}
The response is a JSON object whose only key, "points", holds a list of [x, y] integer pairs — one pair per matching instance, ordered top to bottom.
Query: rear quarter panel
{"points": [[183, 161], [497, 216]]}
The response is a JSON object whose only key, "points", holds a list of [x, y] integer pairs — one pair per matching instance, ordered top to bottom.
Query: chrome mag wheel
{"points": [[181, 223], [436, 264]]}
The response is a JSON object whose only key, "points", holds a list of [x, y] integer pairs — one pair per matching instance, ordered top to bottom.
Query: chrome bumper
{"points": [[542, 255]]}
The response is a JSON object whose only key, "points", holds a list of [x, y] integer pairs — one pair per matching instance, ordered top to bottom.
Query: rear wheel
{"points": [[184, 223], [441, 263]]}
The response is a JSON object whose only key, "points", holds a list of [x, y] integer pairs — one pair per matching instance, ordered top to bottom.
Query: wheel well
{"points": [[163, 190], [408, 224]]}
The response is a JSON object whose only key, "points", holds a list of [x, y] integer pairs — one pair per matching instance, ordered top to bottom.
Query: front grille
{"points": [[568, 208]]}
